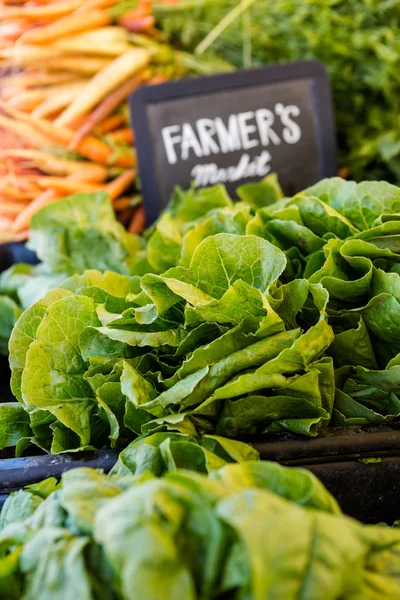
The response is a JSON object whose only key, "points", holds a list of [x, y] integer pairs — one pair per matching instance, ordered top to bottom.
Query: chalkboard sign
{"points": [[235, 128]]}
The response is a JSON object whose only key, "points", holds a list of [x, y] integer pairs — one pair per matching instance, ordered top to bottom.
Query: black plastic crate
{"points": [[15, 252], [10, 254], [369, 492]]}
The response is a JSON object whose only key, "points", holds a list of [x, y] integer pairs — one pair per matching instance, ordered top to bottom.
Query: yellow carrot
{"points": [[66, 26], [101, 35], [104, 49], [28, 54], [86, 65], [28, 80], [104, 82], [59, 96], [28, 100], [58, 100], [106, 107]]}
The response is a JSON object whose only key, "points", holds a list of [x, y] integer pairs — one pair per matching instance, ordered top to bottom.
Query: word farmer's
{"points": [[240, 132]]}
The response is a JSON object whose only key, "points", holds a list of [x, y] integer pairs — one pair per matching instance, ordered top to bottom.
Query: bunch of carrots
{"points": [[67, 69]]}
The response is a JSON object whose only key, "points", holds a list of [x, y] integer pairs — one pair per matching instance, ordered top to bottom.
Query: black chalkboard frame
{"points": [[323, 107]]}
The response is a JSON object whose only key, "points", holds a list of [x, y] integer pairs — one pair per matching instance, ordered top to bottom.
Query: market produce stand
{"points": [[195, 410]]}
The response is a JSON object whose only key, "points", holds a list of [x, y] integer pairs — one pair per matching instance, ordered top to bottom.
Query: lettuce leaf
{"points": [[152, 530]]}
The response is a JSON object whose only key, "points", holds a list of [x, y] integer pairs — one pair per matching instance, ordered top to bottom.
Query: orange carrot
{"points": [[96, 4], [52, 11], [139, 24], [68, 25], [157, 79], [29, 80], [27, 100], [106, 107], [77, 123], [109, 124], [25, 132], [52, 133], [122, 136], [90, 147], [98, 151], [56, 166], [97, 174], [120, 184], [68, 185], [16, 193], [122, 203], [10, 208], [124, 216], [24, 218], [138, 221]]}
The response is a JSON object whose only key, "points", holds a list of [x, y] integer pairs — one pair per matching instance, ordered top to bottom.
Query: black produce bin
{"points": [[15, 252], [10, 254], [341, 459], [369, 492]]}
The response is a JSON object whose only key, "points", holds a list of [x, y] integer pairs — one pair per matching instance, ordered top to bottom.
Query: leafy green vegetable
{"points": [[82, 233], [70, 236], [9, 313], [253, 317], [165, 362], [252, 530]]}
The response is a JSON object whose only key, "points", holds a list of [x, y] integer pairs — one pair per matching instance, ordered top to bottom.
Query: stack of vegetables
{"points": [[357, 41], [67, 69], [227, 318], [253, 530]]}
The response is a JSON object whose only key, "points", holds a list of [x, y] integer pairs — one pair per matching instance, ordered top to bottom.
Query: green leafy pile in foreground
{"points": [[357, 40], [236, 318], [249, 531]]}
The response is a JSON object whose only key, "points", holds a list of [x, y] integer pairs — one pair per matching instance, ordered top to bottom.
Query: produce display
{"points": [[356, 40], [67, 69], [227, 318], [227, 321], [254, 530]]}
